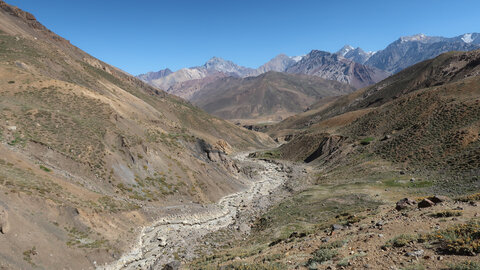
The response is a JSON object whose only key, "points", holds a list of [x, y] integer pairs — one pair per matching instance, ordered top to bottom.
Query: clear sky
{"points": [[148, 35]]}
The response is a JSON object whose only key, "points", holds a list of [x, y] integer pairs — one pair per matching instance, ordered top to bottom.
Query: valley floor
{"points": [[178, 236]]}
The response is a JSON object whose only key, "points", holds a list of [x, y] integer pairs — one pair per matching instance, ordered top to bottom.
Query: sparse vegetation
{"points": [[367, 141], [45, 168], [469, 198], [447, 213], [460, 239], [402, 240], [324, 253], [27, 255], [468, 265]]}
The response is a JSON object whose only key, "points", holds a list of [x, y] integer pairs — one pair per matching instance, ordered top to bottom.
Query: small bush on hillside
{"points": [[366, 141], [45, 168], [469, 198], [447, 213], [460, 239], [402, 240], [325, 253], [322, 255], [465, 266]]}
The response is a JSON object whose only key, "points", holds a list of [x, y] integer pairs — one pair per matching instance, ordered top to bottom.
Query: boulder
{"points": [[386, 137], [438, 199], [404, 203], [425, 203], [4, 225], [337, 227], [416, 253], [173, 265]]}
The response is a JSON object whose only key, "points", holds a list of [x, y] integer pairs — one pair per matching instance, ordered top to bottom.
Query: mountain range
{"points": [[407, 51], [349, 65]]}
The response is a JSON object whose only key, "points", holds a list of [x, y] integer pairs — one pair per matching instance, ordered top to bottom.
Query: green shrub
{"points": [[366, 141], [45, 168]]}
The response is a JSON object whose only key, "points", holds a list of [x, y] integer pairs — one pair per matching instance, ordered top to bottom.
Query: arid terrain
{"points": [[100, 170]]}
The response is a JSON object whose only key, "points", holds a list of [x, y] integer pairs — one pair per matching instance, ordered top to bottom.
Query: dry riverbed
{"points": [[176, 236]]}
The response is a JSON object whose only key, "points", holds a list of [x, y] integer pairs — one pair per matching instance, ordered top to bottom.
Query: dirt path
{"points": [[160, 242]]}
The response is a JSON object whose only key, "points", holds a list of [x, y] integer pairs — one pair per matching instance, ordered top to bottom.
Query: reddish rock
{"points": [[438, 199], [405, 203], [425, 203]]}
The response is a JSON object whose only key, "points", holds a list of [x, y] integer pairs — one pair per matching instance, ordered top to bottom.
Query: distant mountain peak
{"points": [[417, 37], [345, 49], [216, 59], [279, 63], [221, 65]]}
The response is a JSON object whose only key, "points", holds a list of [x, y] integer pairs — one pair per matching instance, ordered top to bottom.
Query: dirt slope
{"points": [[89, 153]]}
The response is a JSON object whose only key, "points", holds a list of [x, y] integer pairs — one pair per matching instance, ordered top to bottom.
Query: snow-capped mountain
{"points": [[345, 49], [409, 50], [355, 54], [213, 66], [336, 67]]}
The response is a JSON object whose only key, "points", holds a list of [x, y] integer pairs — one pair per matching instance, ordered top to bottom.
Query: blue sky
{"points": [[148, 35]]}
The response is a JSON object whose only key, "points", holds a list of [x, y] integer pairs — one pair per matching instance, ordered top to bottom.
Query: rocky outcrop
{"points": [[327, 147], [217, 156], [405, 203], [425, 203], [4, 224]]}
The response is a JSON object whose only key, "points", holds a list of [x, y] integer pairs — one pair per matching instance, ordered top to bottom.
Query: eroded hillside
{"points": [[89, 153]]}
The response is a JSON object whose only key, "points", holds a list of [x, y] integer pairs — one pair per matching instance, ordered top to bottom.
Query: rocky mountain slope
{"points": [[407, 51], [357, 55], [280, 63], [334, 67], [211, 68], [154, 75], [268, 97], [437, 98], [89, 153]]}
